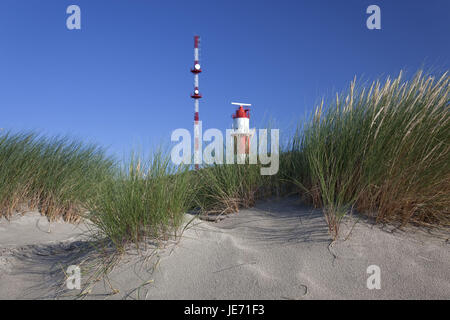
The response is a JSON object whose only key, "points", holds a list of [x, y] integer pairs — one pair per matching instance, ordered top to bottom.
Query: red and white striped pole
{"points": [[196, 95]]}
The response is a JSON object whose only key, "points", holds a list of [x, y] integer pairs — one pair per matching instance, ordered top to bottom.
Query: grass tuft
{"points": [[384, 149], [56, 176], [226, 188], [143, 200]]}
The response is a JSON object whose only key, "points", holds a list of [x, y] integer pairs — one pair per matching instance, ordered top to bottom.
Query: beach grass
{"points": [[382, 149], [56, 176], [225, 188], [145, 199]]}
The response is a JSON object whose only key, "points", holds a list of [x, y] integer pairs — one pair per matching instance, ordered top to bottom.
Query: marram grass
{"points": [[382, 149], [56, 176], [226, 188], [144, 200]]}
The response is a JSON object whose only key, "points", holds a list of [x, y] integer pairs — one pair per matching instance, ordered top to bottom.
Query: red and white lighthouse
{"points": [[196, 96], [241, 130]]}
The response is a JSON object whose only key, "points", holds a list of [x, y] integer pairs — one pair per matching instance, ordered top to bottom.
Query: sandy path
{"points": [[277, 250]]}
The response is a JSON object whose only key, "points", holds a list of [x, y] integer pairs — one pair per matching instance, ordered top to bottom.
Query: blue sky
{"points": [[123, 80]]}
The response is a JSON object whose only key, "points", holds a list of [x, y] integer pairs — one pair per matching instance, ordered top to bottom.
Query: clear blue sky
{"points": [[123, 80]]}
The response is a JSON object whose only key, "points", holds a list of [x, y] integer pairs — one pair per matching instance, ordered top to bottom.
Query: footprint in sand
{"points": [[302, 292]]}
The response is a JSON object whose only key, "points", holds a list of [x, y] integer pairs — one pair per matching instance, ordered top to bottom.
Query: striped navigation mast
{"points": [[196, 96]]}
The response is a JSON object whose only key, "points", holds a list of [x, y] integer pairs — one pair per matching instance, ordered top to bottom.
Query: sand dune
{"points": [[277, 250]]}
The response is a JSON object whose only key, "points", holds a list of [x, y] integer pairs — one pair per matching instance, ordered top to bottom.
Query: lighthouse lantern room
{"points": [[241, 130]]}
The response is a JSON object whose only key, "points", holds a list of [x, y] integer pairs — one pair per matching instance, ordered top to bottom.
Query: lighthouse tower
{"points": [[241, 130]]}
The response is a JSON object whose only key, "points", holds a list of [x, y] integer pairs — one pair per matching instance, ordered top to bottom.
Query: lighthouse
{"points": [[241, 130]]}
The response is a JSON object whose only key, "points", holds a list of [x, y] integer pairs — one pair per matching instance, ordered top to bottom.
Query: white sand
{"points": [[29, 247], [277, 250]]}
